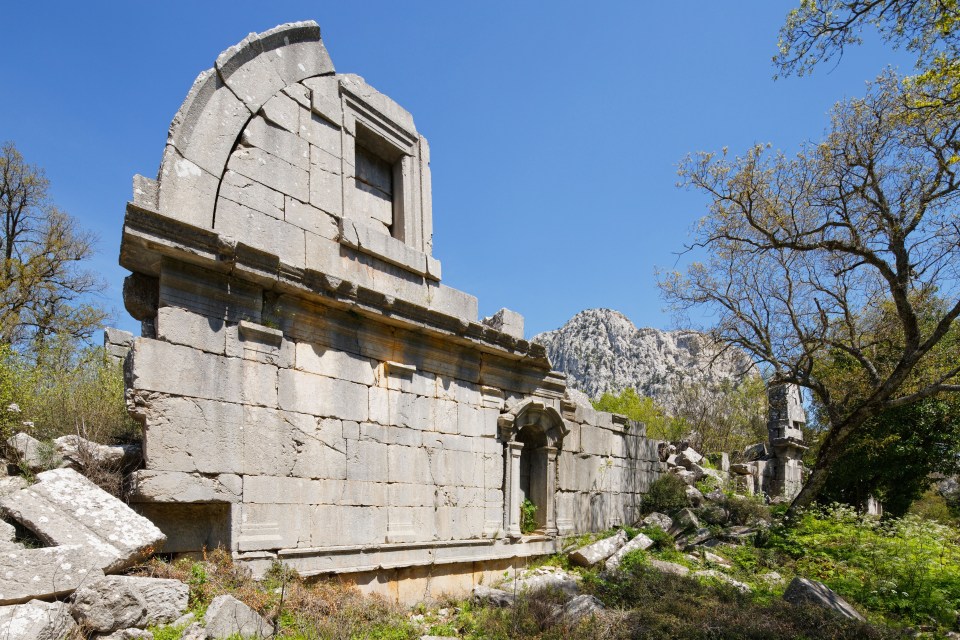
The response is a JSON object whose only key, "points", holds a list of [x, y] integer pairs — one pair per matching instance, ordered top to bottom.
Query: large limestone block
{"points": [[357, 86], [279, 142], [271, 171], [186, 192], [250, 193], [190, 329], [321, 396], [28, 451], [79, 453], [176, 486], [65, 508], [640, 541], [599, 551], [49, 572], [804, 591], [119, 602], [226, 616], [36, 620]]}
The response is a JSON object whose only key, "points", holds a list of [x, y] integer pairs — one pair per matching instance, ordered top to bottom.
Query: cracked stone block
{"points": [[65, 508], [598, 551], [48, 572], [36, 620]]}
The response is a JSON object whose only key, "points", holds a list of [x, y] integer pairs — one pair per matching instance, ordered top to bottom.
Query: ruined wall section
{"points": [[310, 391]]}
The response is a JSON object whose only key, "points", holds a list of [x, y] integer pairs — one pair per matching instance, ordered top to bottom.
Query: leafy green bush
{"points": [[64, 387], [667, 494], [528, 517], [905, 568]]}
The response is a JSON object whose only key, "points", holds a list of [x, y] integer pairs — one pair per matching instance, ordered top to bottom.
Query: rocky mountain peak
{"points": [[601, 350]]}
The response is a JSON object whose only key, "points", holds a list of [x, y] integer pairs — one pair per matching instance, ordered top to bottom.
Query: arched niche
{"points": [[532, 433]]}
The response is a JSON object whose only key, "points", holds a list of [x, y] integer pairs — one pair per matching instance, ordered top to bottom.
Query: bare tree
{"points": [[844, 258], [43, 289]]}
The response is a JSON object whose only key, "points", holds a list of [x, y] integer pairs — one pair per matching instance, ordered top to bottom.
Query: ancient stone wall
{"points": [[310, 391]]}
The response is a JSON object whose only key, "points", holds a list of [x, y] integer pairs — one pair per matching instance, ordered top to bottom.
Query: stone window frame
{"points": [[401, 148], [539, 415]]}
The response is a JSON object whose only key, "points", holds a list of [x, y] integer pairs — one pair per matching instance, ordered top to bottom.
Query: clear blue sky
{"points": [[555, 128]]}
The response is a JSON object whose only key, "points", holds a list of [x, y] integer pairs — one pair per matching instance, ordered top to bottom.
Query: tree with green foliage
{"points": [[819, 30], [848, 251], [44, 290]]}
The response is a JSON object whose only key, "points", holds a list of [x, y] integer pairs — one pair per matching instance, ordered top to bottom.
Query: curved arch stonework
{"points": [[310, 391], [540, 452]]}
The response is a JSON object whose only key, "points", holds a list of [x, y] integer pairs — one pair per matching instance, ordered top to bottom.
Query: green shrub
{"points": [[667, 494], [528, 517], [905, 568]]}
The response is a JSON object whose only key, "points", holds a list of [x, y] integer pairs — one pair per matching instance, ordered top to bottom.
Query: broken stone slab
{"points": [[506, 321], [755, 452], [80, 453], [688, 458], [741, 469], [688, 477], [177, 486], [65, 508], [659, 520], [694, 538], [639, 541], [599, 551], [669, 567], [50, 572], [545, 578], [804, 591], [493, 597], [118, 602], [226, 616], [36, 620]]}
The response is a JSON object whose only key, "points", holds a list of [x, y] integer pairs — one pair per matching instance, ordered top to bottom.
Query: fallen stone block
{"points": [[28, 452], [755, 452], [80, 453], [689, 458], [694, 495], [65, 508], [656, 519], [685, 520], [640, 541], [598, 551], [669, 567], [50, 572], [545, 578], [803, 591], [493, 597], [118, 602], [227, 616], [36, 620], [194, 632]]}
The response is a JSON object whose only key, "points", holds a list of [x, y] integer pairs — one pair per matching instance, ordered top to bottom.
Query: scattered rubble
{"points": [[598, 551], [228, 617]]}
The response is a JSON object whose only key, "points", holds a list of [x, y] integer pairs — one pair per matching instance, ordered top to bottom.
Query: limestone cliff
{"points": [[600, 350]]}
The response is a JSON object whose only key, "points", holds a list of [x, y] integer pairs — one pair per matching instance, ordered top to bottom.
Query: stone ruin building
{"points": [[310, 391]]}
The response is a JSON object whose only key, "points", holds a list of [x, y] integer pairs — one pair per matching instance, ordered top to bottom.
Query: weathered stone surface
{"points": [[506, 321], [29, 452], [755, 452], [79, 453], [689, 458], [12, 484], [176, 486], [694, 496], [65, 508], [656, 519], [685, 520], [639, 541], [599, 551], [668, 567], [48, 572], [545, 578], [804, 591], [494, 597], [118, 602], [108, 605], [580, 607], [226, 616], [36, 620], [194, 631], [125, 634]]}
